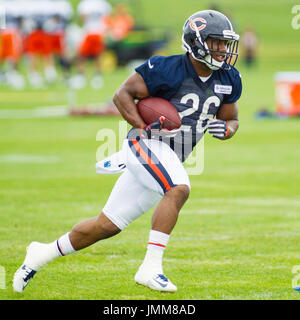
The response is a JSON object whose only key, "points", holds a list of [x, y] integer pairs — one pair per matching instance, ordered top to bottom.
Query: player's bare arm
{"points": [[133, 88], [229, 113]]}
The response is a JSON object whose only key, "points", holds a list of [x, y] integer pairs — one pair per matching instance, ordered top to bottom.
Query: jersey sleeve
{"points": [[162, 76], [236, 88]]}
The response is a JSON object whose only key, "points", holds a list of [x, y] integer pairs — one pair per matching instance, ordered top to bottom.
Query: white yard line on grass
{"points": [[40, 112], [28, 158], [251, 201], [224, 237]]}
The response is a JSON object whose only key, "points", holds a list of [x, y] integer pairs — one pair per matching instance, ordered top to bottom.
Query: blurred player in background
{"points": [[92, 14], [119, 23], [55, 27], [249, 42], [11, 46], [37, 46], [201, 84]]}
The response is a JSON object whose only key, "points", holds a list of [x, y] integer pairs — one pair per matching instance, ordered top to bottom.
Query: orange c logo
{"points": [[193, 23]]}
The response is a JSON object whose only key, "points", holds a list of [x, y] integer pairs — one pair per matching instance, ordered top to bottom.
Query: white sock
{"points": [[64, 245], [155, 250], [41, 254]]}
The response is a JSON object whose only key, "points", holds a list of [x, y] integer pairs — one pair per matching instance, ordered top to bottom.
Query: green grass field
{"points": [[238, 236]]}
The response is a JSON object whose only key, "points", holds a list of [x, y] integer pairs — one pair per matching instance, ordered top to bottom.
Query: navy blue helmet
{"points": [[205, 25]]}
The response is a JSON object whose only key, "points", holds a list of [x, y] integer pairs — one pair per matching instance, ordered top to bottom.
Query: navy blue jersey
{"points": [[174, 78]]}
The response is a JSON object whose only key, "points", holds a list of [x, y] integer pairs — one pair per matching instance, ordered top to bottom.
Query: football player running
{"points": [[204, 87]]}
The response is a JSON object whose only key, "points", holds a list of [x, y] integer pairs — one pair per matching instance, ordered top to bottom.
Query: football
{"points": [[150, 109]]}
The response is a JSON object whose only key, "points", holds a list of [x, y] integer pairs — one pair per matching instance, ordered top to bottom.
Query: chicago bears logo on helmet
{"points": [[194, 24]]}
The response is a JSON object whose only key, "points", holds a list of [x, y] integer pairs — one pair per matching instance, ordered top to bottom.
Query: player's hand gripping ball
{"points": [[149, 130], [155, 130]]}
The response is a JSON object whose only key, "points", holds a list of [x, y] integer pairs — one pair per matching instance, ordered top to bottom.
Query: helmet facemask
{"points": [[230, 53]]}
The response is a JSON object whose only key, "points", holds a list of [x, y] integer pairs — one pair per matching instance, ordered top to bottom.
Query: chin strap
{"points": [[209, 61], [212, 63]]}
